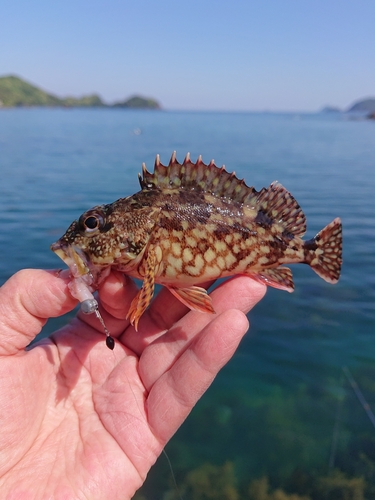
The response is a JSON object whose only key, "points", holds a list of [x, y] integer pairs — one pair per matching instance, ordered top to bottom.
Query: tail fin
{"points": [[324, 252]]}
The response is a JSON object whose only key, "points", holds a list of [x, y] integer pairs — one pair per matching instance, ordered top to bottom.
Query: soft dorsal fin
{"points": [[197, 176], [279, 205]]}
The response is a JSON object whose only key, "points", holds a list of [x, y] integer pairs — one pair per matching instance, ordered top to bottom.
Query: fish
{"points": [[189, 224]]}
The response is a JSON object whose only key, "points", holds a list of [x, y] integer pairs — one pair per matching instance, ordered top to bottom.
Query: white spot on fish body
{"points": [[199, 233], [177, 234], [190, 241], [220, 246], [176, 249], [158, 254], [187, 255], [209, 255], [230, 259], [263, 260], [175, 262], [199, 262], [221, 262], [170, 272], [212, 272]]}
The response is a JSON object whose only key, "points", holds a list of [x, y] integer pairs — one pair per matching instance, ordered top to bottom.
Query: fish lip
{"points": [[59, 250], [73, 257]]}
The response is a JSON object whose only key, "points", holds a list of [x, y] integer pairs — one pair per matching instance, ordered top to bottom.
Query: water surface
{"points": [[273, 408]]}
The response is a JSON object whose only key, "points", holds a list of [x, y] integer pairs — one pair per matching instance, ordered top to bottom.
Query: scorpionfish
{"points": [[191, 223]]}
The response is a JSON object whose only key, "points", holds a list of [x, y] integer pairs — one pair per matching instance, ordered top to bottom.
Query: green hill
{"points": [[17, 92], [89, 100], [137, 102]]}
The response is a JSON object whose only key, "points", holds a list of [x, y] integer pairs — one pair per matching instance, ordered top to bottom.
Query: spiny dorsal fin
{"points": [[197, 176], [274, 204]]}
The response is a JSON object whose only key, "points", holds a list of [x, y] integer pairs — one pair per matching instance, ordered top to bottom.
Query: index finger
{"points": [[241, 293]]}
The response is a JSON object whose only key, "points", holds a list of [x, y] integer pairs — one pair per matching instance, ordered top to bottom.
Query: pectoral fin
{"points": [[280, 278], [194, 297], [143, 298]]}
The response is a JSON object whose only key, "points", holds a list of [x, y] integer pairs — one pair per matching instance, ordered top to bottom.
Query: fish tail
{"points": [[324, 252]]}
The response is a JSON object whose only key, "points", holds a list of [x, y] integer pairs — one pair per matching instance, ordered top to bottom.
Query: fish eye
{"points": [[90, 223]]}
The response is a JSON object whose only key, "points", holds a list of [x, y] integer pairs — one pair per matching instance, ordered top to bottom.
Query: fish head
{"points": [[108, 236], [92, 244]]}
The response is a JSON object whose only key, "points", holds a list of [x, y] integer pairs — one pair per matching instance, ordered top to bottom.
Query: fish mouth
{"points": [[73, 257]]}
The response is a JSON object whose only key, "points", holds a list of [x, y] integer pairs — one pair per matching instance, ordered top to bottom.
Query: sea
{"points": [[297, 401]]}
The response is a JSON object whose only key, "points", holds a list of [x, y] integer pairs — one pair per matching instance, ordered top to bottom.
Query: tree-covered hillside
{"points": [[15, 92]]}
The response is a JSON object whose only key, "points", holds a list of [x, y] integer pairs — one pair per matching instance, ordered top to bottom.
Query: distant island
{"points": [[16, 92], [364, 107], [330, 109]]}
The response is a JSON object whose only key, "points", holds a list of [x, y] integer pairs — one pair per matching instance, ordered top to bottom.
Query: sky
{"points": [[240, 55]]}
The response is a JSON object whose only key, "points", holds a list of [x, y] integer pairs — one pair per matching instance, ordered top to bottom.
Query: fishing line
{"points": [[90, 306], [359, 395], [336, 427], [163, 450], [172, 473]]}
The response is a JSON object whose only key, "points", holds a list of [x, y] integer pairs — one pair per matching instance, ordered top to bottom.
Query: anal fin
{"points": [[280, 277], [194, 297]]}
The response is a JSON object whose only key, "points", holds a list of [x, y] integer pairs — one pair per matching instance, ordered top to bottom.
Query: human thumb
{"points": [[27, 300]]}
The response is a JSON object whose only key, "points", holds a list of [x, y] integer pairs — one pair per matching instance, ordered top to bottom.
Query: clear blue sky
{"points": [[233, 55]]}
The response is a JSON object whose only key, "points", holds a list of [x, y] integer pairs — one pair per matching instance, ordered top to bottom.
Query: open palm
{"points": [[80, 421]]}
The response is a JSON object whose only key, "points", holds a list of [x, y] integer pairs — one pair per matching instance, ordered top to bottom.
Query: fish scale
{"points": [[194, 222]]}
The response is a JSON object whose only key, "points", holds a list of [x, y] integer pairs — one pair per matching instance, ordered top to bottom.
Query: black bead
{"points": [[110, 342]]}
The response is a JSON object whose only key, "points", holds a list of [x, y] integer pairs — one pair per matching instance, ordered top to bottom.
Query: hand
{"points": [[80, 421]]}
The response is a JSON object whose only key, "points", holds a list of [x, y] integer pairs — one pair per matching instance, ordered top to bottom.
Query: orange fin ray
{"points": [[280, 277], [194, 297], [143, 298]]}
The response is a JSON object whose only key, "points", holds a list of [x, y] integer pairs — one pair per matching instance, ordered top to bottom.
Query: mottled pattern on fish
{"points": [[193, 222]]}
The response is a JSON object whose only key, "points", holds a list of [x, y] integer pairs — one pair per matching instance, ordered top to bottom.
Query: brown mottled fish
{"points": [[192, 223]]}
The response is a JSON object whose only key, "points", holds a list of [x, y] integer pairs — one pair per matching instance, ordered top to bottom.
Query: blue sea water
{"points": [[275, 406]]}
